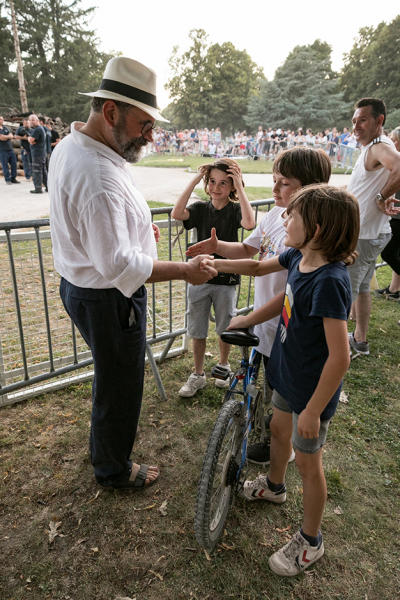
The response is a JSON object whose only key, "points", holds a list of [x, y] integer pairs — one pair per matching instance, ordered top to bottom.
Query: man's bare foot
{"points": [[152, 474]]}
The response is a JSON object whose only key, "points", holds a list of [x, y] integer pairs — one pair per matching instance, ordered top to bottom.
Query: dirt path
{"points": [[157, 184]]}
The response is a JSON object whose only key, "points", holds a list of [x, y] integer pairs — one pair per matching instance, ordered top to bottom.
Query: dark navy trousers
{"points": [[8, 157], [118, 350]]}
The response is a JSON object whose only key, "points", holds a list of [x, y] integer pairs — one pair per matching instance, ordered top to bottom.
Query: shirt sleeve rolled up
{"points": [[110, 237]]}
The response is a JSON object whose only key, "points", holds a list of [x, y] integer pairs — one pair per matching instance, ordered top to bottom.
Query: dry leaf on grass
{"points": [[343, 398], [95, 498], [163, 508], [338, 511], [53, 527], [282, 530], [226, 547], [208, 557], [156, 574]]}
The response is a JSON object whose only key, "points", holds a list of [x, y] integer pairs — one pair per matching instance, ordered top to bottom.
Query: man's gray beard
{"points": [[129, 148]]}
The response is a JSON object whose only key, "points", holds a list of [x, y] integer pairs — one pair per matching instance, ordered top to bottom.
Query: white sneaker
{"points": [[223, 383], [193, 384], [259, 490], [295, 557]]}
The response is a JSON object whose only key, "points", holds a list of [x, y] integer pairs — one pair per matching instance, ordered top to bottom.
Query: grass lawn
{"points": [[194, 162], [118, 544]]}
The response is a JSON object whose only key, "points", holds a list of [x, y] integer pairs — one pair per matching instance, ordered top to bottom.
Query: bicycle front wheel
{"points": [[218, 476]]}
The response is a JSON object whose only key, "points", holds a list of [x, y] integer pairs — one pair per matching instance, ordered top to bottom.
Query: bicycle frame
{"points": [[250, 367]]}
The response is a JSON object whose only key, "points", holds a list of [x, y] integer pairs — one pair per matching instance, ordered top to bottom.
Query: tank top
{"points": [[365, 185]]}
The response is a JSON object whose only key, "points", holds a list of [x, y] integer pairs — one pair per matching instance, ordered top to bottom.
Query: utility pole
{"points": [[21, 80]]}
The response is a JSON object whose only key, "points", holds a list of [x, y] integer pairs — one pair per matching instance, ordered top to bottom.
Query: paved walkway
{"points": [[157, 184]]}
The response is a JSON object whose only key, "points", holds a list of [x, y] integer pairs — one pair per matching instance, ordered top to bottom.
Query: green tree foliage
{"points": [[60, 55], [372, 67], [211, 84], [303, 93], [9, 95], [169, 113], [393, 120]]}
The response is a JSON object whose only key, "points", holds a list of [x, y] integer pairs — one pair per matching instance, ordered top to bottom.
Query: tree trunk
{"points": [[21, 80]]}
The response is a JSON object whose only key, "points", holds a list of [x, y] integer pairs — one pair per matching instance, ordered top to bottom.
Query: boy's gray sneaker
{"points": [[360, 347], [223, 383], [193, 384], [295, 557]]}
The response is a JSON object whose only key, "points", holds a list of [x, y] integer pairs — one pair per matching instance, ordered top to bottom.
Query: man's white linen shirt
{"points": [[100, 223]]}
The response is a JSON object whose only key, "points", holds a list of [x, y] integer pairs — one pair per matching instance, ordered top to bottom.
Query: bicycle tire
{"points": [[217, 481]]}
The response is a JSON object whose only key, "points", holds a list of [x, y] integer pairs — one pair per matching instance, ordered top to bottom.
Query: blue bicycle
{"points": [[224, 466]]}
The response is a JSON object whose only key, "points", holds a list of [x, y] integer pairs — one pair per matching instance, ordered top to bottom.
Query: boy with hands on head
{"points": [[227, 211]]}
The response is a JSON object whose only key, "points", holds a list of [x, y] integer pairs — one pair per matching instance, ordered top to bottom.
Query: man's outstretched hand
{"points": [[388, 208], [205, 247], [197, 276]]}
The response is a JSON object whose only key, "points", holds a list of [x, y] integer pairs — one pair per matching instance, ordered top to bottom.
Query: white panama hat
{"points": [[129, 81]]}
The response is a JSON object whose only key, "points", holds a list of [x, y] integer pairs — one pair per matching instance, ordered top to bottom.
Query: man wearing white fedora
{"points": [[104, 248]]}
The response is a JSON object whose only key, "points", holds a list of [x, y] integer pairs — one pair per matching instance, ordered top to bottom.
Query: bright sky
{"points": [[148, 31]]}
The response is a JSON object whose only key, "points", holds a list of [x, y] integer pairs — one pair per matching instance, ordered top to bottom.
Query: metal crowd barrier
{"points": [[40, 349]]}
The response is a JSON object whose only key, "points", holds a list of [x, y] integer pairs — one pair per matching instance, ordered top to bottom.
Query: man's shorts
{"points": [[362, 270], [200, 299], [304, 445]]}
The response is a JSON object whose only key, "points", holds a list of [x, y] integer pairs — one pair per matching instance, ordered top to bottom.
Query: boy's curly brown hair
{"points": [[222, 164], [338, 215]]}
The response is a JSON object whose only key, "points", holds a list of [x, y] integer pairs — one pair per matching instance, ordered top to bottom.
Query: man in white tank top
{"points": [[374, 180]]}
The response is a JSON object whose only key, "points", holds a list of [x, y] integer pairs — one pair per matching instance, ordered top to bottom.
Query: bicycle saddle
{"points": [[240, 337]]}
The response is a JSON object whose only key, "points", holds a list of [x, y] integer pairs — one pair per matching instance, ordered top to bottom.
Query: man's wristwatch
{"points": [[379, 198]]}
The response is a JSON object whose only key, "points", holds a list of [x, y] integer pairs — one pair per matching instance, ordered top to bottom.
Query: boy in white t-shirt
{"points": [[293, 169]]}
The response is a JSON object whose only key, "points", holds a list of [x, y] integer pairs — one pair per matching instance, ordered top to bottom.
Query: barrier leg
{"points": [[156, 373]]}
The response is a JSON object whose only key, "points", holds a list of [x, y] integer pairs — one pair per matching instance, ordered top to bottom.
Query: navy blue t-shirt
{"points": [[5, 145], [40, 148], [300, 351]]}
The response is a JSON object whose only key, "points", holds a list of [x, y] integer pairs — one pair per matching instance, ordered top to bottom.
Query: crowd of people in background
{"points": [[266, 142]]}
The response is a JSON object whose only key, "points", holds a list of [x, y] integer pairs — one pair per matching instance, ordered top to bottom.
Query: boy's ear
{"points": [[317, 231]]}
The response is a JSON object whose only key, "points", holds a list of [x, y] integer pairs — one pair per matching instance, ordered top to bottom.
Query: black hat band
{"points": [[109, 85]]}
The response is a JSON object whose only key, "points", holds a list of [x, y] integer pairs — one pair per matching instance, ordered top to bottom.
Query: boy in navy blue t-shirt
{"points": [[310, 354]]}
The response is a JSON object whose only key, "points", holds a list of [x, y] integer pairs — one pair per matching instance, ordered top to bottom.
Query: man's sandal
{"points": [[124, 483]]}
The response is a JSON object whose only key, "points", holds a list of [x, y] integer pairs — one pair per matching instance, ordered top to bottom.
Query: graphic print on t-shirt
{"points": [[267, 246], [286, 311]]}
